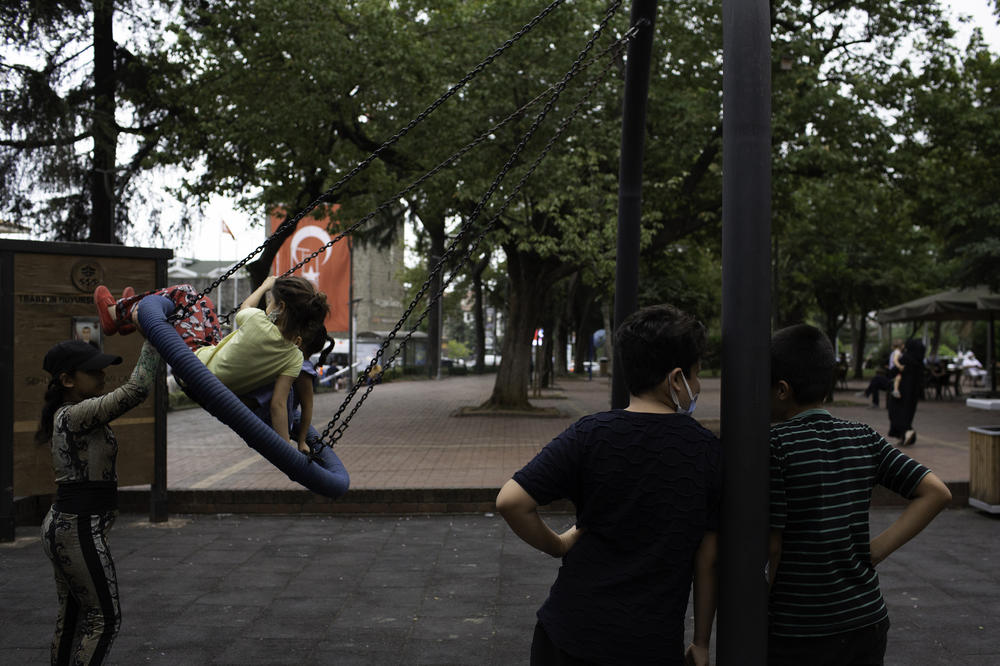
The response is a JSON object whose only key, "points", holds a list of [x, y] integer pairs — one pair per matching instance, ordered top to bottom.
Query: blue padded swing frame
{"points": [[324, 474]]}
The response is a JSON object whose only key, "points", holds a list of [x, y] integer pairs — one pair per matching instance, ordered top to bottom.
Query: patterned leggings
{"points": [[200, 328], [87, 585]]}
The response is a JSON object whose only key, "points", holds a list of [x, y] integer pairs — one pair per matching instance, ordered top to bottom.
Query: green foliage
{"points": [[54, 98], [277, 100], [953, 140], [845, 240], [688, 275], [457, 350]]}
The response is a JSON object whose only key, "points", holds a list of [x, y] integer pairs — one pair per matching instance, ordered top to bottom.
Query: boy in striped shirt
{"points": [[825, 604]]}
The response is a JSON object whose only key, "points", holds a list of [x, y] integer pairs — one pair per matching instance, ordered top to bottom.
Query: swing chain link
{"points": [[574, 70]]}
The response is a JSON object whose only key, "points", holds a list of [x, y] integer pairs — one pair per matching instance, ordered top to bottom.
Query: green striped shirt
{"points": [[823, 470]]}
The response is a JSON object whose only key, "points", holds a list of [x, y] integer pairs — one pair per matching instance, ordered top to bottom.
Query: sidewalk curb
{"points": [[392, 501]]}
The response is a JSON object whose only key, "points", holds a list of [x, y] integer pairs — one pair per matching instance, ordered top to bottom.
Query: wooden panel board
{"points": [[50, 290], [984, 465]]}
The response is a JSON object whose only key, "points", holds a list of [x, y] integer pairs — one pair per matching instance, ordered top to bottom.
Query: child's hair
{"points": [[305, 308], [315, 340], [653, 341], [803, 356], [53, 400]]}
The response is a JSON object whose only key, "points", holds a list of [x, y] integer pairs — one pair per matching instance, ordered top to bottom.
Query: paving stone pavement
{"points": [[406, 435], [440, 589], [388, 590]]}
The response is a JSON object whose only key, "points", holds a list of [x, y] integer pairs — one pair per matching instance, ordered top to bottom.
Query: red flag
{"points": [[227, 230], [330, 271]]}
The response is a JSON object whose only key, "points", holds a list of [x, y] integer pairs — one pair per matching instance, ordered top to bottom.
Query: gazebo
{"points": [[977, 303]]}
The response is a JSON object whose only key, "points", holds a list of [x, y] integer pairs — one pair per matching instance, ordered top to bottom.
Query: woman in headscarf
{"points": [[903, 408]]}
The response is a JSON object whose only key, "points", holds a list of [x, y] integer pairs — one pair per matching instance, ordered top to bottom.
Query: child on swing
{"points": [[263, 349], [300, 398]]}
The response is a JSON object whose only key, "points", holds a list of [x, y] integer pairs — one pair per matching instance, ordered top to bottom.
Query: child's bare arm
{"points": [[253, 299], [304, 389], [279, 405], [930, 497], [520, 510], [705, 591]]}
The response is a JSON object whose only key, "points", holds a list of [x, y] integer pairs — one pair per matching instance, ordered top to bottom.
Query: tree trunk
{"points": [[104, 130], [531, 280], [583, 301], [434, 316], [480, 324], [567, 326], [832, 329], [860, 337], [609, 338], [935, 339], [561, 343], [546, 369], [510, 390]]}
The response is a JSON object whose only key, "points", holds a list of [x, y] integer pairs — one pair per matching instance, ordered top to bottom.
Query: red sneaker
{"points": [[103, 300], [126, 327]]}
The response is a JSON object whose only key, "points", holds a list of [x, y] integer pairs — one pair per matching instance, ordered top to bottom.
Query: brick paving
{"points": [[407, 436], [232, 588]]}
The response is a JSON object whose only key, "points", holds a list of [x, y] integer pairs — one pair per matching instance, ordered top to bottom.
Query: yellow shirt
{"points": [[253, 355]]}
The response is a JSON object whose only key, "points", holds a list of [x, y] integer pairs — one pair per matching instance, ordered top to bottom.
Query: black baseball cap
{"points": [[72, 355]]}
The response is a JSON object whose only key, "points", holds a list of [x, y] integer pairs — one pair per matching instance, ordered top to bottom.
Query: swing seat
{"points": [[324, 474]]}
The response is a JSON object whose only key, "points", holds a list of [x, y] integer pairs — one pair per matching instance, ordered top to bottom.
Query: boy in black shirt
{"points": [[645, 481]]}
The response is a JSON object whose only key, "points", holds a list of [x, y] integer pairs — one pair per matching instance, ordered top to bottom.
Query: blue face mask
{"points": [[693, 398]]}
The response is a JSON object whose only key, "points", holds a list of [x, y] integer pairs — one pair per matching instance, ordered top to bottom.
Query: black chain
{"points": [[574, 70], [292, 222]]}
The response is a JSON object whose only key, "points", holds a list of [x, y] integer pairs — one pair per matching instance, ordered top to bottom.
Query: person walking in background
{"points": [[896, 366], [879, 382], [903, 408], [74, 422]]}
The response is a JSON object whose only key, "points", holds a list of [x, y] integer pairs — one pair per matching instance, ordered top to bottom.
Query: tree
{"points": [[70, 90], [284, 98], [242, 136], [952, 148], [845, 241]]}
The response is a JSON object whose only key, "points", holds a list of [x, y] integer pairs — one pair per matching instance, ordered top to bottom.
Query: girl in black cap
{"points": [[75, 421]]}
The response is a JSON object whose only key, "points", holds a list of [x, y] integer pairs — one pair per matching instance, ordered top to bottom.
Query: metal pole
{"points": [[630, 178], [746, 307], [991, 354], [352, 375], [159, 507], [7, 512]]}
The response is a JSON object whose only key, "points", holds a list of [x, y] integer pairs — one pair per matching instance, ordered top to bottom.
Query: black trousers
{"points": [[861, 647], [545, 653]]}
